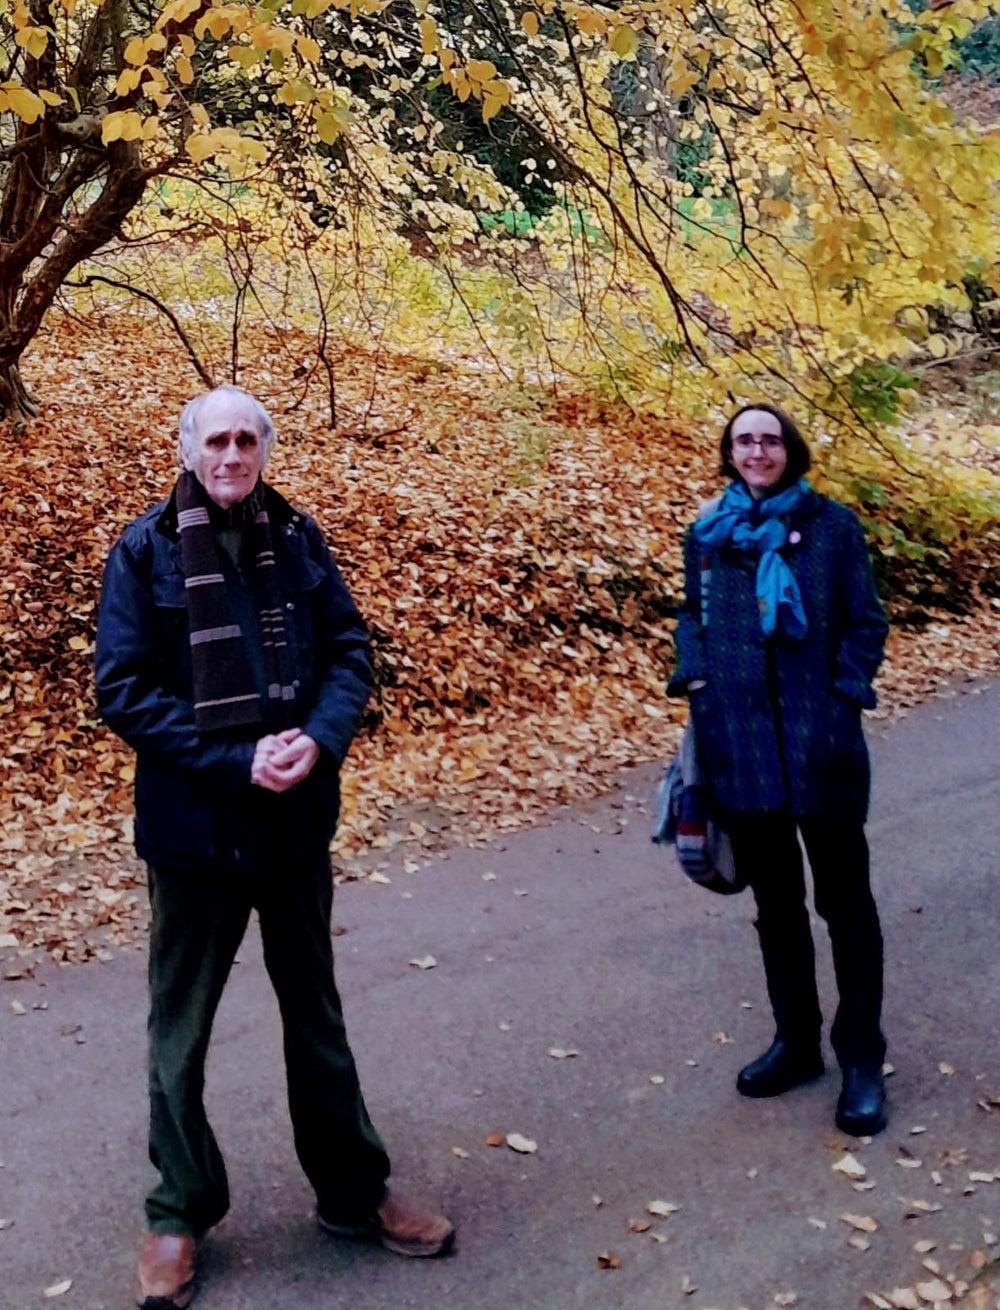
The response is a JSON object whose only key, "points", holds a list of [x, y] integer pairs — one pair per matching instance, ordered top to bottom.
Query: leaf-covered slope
{"points": [[518, 562]]}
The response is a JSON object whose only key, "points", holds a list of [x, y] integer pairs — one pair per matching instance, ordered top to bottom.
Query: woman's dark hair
{"points": [[796, 449]]}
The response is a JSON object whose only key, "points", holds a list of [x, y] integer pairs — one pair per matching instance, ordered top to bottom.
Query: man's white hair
{"points": [[188, 425]]}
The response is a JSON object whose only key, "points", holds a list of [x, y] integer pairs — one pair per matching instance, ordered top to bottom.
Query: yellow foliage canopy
{"points": [[831, 190]]}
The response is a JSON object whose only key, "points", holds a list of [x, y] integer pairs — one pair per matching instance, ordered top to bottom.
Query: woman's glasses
{"points": [[769, 441]]}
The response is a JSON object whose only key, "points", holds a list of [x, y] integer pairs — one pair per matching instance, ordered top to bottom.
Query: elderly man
{"points": [[231, 657]]}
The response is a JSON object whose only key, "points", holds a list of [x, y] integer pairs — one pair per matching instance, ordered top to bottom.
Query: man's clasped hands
{"points": [[283, 759]]}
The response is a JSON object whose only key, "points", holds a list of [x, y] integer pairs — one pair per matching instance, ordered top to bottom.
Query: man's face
{"points": [[227, 453]]}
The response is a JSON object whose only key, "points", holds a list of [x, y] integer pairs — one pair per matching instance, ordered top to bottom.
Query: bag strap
{"points": [[705, 576]]}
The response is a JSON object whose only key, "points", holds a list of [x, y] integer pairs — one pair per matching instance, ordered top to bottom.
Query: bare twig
{"points": [[200, 369]]}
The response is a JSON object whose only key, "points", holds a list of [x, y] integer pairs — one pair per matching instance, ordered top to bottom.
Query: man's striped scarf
{"points": [[225, 692]]}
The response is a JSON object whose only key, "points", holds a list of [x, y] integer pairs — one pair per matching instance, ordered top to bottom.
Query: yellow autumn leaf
{"points": [[176, 11], [529, 21], [215, 22], [591, 23], [428, 36], [32, 39], [624, 42], [186, 44], [308, 49], [135, 51], [184, 70], [481, 70], [128, 80], [683, 80], [499, 90], [51, 98], [22, 102], [491, 107], [331, 123], [124, 125], [200, 146], [250, 148]]}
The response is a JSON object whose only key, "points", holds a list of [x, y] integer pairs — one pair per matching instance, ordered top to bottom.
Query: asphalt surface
{"points": [[586, 938]]}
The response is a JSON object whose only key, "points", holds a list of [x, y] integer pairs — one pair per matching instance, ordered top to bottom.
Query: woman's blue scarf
{"points": [[765, 533]]}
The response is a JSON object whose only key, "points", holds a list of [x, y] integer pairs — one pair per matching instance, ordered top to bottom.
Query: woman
{"points": [[777, 645]]}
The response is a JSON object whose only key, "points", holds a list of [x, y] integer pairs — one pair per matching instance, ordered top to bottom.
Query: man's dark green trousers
{"points": [[199, 919]]}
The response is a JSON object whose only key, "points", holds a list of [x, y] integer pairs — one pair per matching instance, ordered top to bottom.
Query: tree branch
{"points": [[200, 369]]}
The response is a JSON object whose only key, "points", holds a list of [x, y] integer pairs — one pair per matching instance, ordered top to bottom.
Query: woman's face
{"points": [[758, 451]]}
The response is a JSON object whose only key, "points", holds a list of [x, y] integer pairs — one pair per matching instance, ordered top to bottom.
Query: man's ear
{"points": [[182, 458]]}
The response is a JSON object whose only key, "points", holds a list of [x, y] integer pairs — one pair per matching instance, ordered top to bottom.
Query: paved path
{"points": [[586, 938]]}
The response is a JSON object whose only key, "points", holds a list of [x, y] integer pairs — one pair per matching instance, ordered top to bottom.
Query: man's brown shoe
{"points": [[399, 1228], [166, 1271]]}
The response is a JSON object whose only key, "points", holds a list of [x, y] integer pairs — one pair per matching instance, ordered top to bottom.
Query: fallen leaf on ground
{"points": [[425, 962], [17, 1008], [562, 1053], [945, 1068], [657, 1079], [495, 1139], [523, 1145], [460, 1152], [850, 1166], [662, 1208], [914, 1208], [863, 1222], [817, 1223], [639, 1225], [859, 1243], [924, 1245], [608, 1260], [687, 1287], [57, 1289], [935, 1291], [785, 1298], [904, 1298]]}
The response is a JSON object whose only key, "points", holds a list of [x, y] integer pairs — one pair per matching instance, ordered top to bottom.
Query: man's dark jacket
{"points": [[194, 802]]}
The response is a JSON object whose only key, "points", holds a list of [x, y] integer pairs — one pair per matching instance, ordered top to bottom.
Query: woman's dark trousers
{"points": [[766, 849], [199, 918]]}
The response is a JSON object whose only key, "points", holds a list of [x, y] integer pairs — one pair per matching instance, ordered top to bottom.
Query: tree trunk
{"points": [[15, 402]]}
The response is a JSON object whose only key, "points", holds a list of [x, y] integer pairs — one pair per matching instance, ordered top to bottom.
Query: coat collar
{"points": [[279, 511]]}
